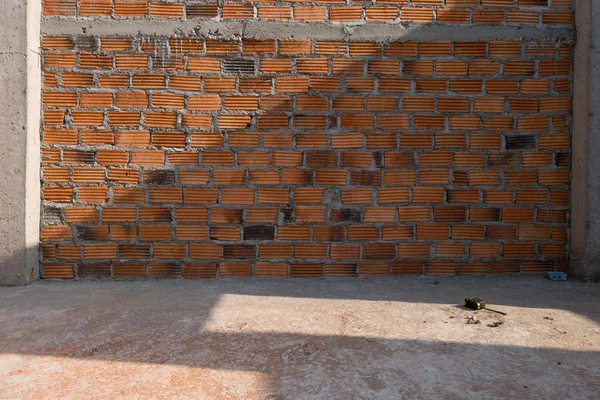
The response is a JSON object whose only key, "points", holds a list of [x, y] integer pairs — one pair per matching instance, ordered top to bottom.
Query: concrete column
{"points": [[19, 151], [585, 189]]}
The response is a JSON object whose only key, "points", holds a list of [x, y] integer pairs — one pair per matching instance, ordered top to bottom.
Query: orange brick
{"points": [[131, 8], [166, 10], [237, 11], [274, 12], [310, 13], [381, 13], [339, 14], [416, 14], [237, 196], [432, 231], [232, 233], [450, 249], [205, 251], [275, 251], [378, 251], [440, 268], [340, 269], [270, 270], [306, 270], [58, 271]]}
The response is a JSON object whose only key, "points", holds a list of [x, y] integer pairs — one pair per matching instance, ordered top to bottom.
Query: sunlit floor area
{"points": [[301, 339]]}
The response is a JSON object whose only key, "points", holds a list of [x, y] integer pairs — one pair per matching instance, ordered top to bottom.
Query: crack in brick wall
{"points": [[197, 156]]}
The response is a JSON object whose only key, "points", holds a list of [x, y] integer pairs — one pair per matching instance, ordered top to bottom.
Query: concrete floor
{"points": [[300, 339]]}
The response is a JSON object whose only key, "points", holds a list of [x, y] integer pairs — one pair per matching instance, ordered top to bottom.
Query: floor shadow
{"points": [[251, 326]]}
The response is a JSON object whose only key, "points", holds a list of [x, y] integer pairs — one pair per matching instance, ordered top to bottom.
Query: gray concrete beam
{"points": [[232, 29], [20, 78]]}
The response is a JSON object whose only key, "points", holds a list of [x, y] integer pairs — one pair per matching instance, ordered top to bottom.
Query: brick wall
{"points": [[201, 155]]}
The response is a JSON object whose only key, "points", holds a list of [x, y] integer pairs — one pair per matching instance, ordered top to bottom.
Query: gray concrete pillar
{"points": [[19, 150], [585, 189]]}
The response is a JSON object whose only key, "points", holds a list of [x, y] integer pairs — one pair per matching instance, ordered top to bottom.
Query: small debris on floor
{"points": [[557, 276], [549, 318], [472, 320], [495, 324], [299, 353], [274, 397]]}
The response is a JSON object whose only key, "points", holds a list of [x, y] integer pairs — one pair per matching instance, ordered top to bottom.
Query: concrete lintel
{"points": [[381, 32]]}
